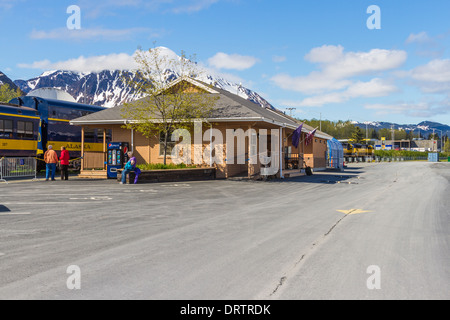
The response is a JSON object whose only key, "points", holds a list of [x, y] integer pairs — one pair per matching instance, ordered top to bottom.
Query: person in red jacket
{"points": [[64, 163]]}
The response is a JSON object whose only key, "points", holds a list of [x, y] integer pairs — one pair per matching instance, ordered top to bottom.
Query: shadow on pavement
{"points": [[330, 176]]}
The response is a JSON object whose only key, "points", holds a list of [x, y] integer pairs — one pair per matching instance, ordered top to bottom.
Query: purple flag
{"points": [[296, 136]]}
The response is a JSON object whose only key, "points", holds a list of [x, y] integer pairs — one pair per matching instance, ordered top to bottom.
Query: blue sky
{"points": [[318, 57]]}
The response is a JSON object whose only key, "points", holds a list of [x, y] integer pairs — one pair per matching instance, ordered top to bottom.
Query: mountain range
{"points": [[107, 89], [425, 127]]}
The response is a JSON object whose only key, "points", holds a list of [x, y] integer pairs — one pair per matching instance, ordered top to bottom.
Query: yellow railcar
{"points": [[356, 152]]}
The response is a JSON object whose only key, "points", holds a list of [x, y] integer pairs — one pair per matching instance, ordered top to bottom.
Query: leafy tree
{"points": [[6, 93], [165, 106], [338, 129], [358, 135]]}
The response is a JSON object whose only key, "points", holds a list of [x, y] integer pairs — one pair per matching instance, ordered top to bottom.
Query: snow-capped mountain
{"points": [[5, 80], [107, 89], [425, 127]]}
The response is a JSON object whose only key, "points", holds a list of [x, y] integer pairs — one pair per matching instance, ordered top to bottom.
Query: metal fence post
{"points": [[1, 171]]}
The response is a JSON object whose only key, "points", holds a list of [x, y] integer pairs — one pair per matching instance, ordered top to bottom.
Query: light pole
{"points": [[290, 111]]}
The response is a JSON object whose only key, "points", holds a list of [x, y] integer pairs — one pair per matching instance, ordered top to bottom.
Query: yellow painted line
{"points": [[18, 115], [61, 120], [353, 211]]}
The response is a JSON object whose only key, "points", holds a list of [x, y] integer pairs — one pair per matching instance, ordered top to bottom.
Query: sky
{"points": [[377, 60]]}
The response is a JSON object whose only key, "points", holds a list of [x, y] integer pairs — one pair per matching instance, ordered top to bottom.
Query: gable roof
{"points": [[228, 107]]}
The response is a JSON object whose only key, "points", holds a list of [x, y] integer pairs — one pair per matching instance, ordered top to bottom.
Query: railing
{"points": [[394, 159], [17, 168]]}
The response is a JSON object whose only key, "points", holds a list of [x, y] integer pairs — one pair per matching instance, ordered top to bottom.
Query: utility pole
{"points": [[291, 111], [320, 121], [367, 133], [393, 133], [433, 140]]}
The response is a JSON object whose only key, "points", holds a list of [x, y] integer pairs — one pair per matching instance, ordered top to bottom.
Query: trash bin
{"points": [[448, 159], [308, 171]]}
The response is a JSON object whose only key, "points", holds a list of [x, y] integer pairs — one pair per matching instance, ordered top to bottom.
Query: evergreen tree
{"points": [[358, 135], [375, 135], [447, 145]]}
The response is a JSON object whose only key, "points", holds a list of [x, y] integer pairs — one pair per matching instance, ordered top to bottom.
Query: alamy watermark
{"points": [[74, 20], [374, 21], [237, 151], [74, 280], [374, 281]]}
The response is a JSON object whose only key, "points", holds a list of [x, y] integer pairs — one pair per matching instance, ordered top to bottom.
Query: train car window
{"points": [[1, 125], [8, 126], [20, 127], [25, 129], [29, 129]]}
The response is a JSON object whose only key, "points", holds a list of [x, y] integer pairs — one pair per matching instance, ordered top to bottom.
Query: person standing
{"points": [[51, 159], [64, 163]]}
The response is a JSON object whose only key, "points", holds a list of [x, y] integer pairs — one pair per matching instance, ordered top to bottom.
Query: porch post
{"points": [[132, 139], [82, 148], [104, 149], [281, 153]]}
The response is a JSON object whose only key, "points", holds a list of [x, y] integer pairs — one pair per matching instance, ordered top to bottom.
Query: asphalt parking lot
{"points": [[301, 238]]}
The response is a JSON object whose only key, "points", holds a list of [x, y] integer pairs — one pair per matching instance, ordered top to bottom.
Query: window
{"points": [[7, 126], [25, 129], [89, 135], [108, 135], [170, 144]]}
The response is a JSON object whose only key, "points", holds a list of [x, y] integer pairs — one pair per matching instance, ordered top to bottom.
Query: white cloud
{"points": [[91, 34], [421, 37], [427, 46], [325, 54], [114, 61], [232, 61], [362, 63], [338, 67], [437, 71], [433, 77], [314, 83], [374, 88], [371, 89], [422, 109]]}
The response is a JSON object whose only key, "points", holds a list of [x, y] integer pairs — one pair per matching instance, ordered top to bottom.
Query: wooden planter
{"points": [[173, 175]]}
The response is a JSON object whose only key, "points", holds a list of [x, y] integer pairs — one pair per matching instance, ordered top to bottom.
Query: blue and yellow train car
{"points": [[29, 124]]}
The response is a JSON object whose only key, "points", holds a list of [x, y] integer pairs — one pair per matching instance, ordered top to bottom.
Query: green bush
{"points": [[402, 153], [161, 166]]}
